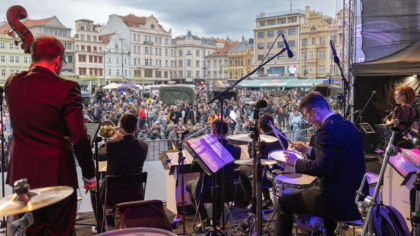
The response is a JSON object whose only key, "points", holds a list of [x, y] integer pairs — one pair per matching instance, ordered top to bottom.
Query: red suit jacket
{"points": [[47, 120]]}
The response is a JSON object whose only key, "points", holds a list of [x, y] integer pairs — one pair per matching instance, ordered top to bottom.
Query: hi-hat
{"points": [[240, 139], [250, 162], [39, 198]]}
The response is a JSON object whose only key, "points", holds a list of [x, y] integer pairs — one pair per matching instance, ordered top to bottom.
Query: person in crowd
{"points": [[46, 114], [175, 115], [212, 116], [404, 116], [142, 117], [295, 121], [125, 155], [337, 160], [193, 186]]}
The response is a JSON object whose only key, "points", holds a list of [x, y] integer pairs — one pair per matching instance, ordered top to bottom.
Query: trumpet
{"points": [[107, 129]]}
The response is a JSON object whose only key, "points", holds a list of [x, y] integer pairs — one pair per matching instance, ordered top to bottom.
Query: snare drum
{"points": [[280, 156], [287, 183], [140, 231]]}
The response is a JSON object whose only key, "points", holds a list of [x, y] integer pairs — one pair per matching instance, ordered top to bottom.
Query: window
{"points": [[293, 19], [283, 21], [313, 28], [292, 31], [280, 32], [270, 34], [260, 35], [82, 37], [88, 37], [134, 37], [94, 38], [313, 41], [322, 41], [304, 42], [292, 43], [280, 44], [2, 45], [269, 45], [11, 46], [261, 46], [88, 48], [146, 50], [166, 52], [180, 52], [197, 53], [321, 54], [304, 55], [311, 55], [281, 56], [260, 57], [3, 59], [12, 59], [25, 60], [109, 60], [146, 62], [188, 62], [180, 63], [197, 63], [321, 69], [109, 71], [118, 71], [3, 72], [148, 73], [158, 73], [189, 74], [197, 74]]}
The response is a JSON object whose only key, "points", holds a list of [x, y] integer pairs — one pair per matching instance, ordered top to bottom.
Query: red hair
{"points": [[47, 48], [408, 92]]}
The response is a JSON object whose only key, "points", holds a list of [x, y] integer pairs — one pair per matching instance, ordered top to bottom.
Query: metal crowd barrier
{"points": [[157, 146]]}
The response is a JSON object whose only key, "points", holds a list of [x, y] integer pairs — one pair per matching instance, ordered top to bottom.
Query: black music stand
{"points": [[211, 156]]}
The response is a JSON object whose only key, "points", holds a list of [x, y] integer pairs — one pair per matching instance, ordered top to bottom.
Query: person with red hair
{"points": [[46, 114], [404, 116]]}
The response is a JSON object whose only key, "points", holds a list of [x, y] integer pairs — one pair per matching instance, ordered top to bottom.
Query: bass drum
{"points": [[140, 231]]}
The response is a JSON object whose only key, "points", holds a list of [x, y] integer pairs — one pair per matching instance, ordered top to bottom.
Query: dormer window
{"points": [[152, 26]]}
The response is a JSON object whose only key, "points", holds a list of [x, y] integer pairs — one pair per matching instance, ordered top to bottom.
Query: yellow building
{"points": [[268, 29], [314, 47], [12, 58], [240, 60]]}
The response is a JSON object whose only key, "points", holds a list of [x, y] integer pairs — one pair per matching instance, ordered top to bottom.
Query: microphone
{"points": [[289, 52], [336, 59], [373, 92]]}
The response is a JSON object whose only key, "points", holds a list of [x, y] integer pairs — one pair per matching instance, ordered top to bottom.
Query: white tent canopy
{"points": [[112, 86]]}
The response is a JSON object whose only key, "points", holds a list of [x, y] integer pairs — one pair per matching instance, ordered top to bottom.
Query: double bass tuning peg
{"points": [[16, 42]]}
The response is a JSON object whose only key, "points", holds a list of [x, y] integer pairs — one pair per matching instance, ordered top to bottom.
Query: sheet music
{"points": [[211, 152], [173, 156]]}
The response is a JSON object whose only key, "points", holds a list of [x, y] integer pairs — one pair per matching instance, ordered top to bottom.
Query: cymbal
{"points": [[240, 139], [250, 162], [40, 197]]}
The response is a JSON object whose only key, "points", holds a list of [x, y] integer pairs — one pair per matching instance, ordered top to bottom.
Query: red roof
{"points": [[132, 20], [28, 23], [105, 38], [229, 46]]}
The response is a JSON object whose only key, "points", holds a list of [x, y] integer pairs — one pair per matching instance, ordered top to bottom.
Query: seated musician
{"points": [[404, 116], [125, 154], [337, 160], [247, 171], [193, 186]]}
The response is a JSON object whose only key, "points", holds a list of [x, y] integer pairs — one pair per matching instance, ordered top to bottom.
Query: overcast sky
{"points": [[217, 18]]}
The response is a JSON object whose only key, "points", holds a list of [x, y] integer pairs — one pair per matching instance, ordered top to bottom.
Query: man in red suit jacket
{"points": [[48, 130]]}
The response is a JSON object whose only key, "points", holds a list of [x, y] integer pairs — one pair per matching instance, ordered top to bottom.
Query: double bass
{"points": [[14, 15]]}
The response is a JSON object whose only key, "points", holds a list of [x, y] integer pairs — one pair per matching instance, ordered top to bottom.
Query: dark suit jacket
{"points": [[47, 118], [125, 155], [338, 162]]}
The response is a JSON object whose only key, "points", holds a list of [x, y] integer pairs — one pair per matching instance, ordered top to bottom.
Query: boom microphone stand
{"points": [[180, 169], [366, 206]]}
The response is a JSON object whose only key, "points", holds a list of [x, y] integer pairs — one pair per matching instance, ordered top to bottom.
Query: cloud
{"points": [[219, 18]]}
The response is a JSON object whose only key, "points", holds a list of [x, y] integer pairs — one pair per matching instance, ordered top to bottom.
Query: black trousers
{"points": [[246, 173], [290, 204], [56, 219]]}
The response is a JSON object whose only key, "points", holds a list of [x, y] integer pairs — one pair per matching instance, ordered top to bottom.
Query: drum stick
{"points": [[276, 132]]}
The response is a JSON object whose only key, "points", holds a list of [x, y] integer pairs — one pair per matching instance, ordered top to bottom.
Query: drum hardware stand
{"points": [[97, 193], [366, 206], [415, 216], [19, 226]]}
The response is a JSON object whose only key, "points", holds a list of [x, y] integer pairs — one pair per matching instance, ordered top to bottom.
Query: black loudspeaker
{"points": [[325, 91], [229, 95]]}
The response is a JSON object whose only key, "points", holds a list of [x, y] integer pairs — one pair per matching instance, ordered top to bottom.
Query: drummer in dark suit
{"points": [[337, 159], [247, 171], [193, 186]]}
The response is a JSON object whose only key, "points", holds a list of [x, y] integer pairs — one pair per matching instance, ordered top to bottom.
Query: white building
{"points": [[190, 53], [151, 54], [89, 58]]}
